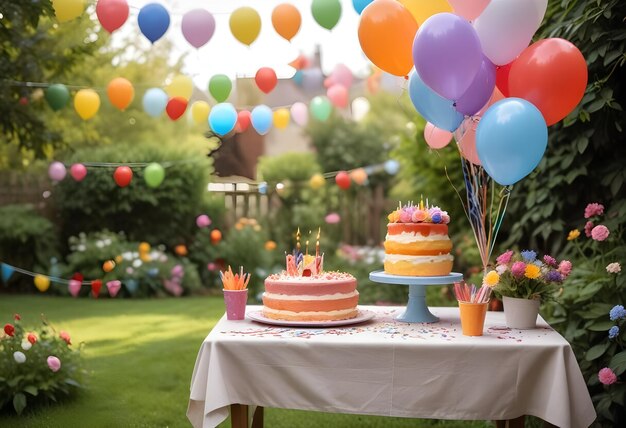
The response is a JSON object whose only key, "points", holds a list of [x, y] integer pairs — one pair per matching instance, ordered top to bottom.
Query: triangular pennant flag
{"points": [[7, 272], [96, 285], [131, 285], [74, 287], [114, 287]]}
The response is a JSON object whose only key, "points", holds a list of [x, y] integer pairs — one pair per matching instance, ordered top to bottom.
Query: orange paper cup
{"points": [[473, 318]]}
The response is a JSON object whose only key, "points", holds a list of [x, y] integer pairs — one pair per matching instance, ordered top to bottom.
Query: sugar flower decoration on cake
{"points": [[421, 213], [304, 264], [237, 281]]}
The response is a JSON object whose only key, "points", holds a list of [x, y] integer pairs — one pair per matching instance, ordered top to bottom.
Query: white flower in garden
{"points": [[108, 241], [99, 244], [81, 248], [127, 255], [135, 255], [163, 258], [137, 263], [613, 268], [26, 345], [19, 357]]}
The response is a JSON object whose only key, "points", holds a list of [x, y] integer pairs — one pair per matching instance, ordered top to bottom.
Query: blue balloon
{"points": [[359, 5], [154, 20], [298, 78], [154, 101], [432, 106], [262, 117], [223, 118], [511, 139], [392, 167], [262, 188], [7, 272]]}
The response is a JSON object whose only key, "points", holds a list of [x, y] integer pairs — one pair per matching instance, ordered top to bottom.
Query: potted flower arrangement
{"points": [[524, 282]]}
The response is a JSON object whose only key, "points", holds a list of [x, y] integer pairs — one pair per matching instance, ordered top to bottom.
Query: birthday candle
{"points": [[298, 240]]}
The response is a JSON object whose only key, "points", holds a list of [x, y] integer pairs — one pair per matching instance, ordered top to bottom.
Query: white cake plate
{"points": [[416, 308], [363, 315]]}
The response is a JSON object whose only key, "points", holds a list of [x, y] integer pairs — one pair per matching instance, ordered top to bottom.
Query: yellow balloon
{"points": [[424, 9], [67, 10], [245, 24], [180, 86], [86, 103], [200, 112], [281, 118], [317, 181], [42, 282]]}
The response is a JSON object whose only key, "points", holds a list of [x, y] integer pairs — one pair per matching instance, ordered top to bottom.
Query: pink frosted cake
{"points": [[304, 292]]}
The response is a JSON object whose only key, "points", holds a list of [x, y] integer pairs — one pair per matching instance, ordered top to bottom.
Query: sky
{"points": [[223, 54]]}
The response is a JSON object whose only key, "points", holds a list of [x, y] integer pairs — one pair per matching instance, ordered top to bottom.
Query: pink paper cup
{"points": [[235, 304]]}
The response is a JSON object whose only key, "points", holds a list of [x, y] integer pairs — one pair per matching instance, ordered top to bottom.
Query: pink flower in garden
{"points": [[594, 209], [332, 218], [588, 227], [600, 232], [504, 258], [549, 260], [211, 267], [565, 267], [614, 267], [518, 269], [177, 271], [9, 329], [65, 336], [32, 338], [54, 363], [607, 376]]}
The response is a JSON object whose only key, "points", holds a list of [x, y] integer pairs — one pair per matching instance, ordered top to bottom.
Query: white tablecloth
{"points": [[386, 367]]}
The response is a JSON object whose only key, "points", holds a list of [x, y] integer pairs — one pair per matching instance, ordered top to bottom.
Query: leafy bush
{"points": [[158, 215], [27, 240], [143, 271], [582, 313], [37, 367]]}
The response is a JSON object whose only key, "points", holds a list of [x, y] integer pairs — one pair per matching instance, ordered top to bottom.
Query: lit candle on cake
{"points": [[298, 240]]}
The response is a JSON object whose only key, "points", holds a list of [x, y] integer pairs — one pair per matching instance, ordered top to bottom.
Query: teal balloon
{"points": [[359, 5], [326, 12], [298, 78], [220, 87], [57, 96], [154, 102], [432, 106], [321, 108], [223, 118], [262, 118], [511, 139], [154, 175], [7, 272]]}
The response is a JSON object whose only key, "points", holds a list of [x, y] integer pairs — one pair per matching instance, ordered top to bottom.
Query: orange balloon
{"points": [[286, 20], [386, 33], [552, 75], [120, 92]]}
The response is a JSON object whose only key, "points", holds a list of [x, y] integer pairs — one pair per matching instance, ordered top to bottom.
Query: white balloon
{"points": [[506, 27], [360, 108]]}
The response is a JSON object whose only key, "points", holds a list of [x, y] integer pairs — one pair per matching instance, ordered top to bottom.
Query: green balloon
{"points": [[326, 12], [220, 87], [57, 96], [321, 108], [154, 175]]}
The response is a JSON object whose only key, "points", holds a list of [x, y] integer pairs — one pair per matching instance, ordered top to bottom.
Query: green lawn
{"points": [[140, 355]]}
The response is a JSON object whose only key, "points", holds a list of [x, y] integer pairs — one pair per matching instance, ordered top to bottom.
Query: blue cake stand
{"points": [[416, 309]]}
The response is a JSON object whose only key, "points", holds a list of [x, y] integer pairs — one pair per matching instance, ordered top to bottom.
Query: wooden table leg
{"points": [[239, 416], [257, 419], [511, 423]]}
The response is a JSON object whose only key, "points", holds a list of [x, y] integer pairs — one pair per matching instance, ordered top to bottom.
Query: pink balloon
{"points": [[469, 9], [198, 26], [341, 75], [338, 96], [495, 97], [300, 113], [436, 138], [467, 143], [56, 171], [78, 171], [74, 287], [114, 287]]}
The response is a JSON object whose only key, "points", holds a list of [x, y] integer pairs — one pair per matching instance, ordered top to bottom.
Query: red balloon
{"points": [[112, 14], [552, 75], [502, 78], [266, 79], [176, 107], [243, 120], [123, 175], [343, 180]]}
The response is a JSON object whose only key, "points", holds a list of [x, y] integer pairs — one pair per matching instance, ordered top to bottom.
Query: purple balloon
{"points": [[198, 27], [447, 54], [479, 92], [56, 171]]}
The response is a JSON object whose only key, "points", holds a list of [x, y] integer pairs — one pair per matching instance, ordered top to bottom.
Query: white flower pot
{"points": [[521, 313]]}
